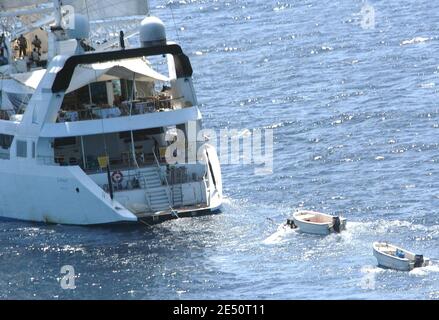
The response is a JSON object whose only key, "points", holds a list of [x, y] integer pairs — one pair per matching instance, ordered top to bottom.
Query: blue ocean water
{"points": [[355, 119]]}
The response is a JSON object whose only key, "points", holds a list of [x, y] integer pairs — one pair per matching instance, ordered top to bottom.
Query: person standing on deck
{"points": [[122, 40], [37, 44], [2, 45], [22, 45], [3, 51], [35, 58]]}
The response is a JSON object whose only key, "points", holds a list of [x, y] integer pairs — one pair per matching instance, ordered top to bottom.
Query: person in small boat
{"points": [[22, 46], [400, 254]]}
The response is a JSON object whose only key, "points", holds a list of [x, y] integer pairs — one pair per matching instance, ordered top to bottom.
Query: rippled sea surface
{"points": [[356, 122]]}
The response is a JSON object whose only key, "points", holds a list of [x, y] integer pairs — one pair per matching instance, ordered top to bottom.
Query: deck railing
{"points": [[128, 108], [171, 194]]}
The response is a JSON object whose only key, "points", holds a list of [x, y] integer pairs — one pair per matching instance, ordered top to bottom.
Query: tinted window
{"points": [[99, 92], [141, 134], [6, 141], [65, 142], [21, 149]]}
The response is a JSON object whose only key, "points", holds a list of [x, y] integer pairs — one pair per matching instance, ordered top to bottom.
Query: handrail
{"points": [[125, 110], [166, 181], [208, 191], [148, 197]]}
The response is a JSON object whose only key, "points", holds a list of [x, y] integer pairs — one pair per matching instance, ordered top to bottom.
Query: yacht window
{"points": [[117, 87], [99, 92], [83, 95], [141, 135], [6, 141], [65, 142], [21, 149]]}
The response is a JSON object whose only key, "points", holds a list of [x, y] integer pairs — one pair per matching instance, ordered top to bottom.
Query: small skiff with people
{"points": [[317, 223], [393, 257]]}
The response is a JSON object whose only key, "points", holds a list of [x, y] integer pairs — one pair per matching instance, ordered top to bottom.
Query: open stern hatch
{"points": [[90, 147]]}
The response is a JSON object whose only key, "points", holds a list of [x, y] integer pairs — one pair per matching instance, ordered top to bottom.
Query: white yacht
{"points": [[99, 138]]}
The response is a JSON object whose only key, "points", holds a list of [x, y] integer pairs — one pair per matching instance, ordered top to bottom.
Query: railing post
{"points": [[110, 182]]}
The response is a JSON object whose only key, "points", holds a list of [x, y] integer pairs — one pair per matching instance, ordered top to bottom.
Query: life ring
{"points": [[117, 177]]}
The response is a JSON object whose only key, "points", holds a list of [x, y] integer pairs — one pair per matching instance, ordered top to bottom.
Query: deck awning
{"points": [[84, 74]]}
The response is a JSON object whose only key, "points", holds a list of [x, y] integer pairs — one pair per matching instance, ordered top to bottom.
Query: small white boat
{"points": [[317, 223], [393, 257]]}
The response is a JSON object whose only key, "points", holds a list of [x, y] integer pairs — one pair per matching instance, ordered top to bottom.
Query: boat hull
{"points": [[58, 195], [66, 195], [157, 219], [312, 228], [322, 229], [389, 261]]}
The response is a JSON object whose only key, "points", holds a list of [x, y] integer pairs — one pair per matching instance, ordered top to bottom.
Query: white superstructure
{"points": [[98, 137]]}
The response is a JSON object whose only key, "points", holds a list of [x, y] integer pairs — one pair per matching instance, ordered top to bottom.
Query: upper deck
{"points": [[114, 91], [120, 123]]}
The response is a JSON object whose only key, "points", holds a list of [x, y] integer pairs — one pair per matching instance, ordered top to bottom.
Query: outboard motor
{"points": [[336, 224], [419, 261]]}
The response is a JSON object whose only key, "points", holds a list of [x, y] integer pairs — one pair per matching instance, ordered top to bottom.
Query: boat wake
{"points": [[415, 41], [227, 201], [386, 227], [280, 236], [359, 236], [432, 268], [372, 270], [420, 272]]}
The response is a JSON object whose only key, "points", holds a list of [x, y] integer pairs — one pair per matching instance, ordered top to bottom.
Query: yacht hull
{"points": [[59, 195], [66, 195]]}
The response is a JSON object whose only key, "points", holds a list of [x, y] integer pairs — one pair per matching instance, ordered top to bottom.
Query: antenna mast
{"points": [[57, 11]]}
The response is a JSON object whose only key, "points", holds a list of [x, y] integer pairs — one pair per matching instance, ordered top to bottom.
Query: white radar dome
{"points": [[152, 32]]}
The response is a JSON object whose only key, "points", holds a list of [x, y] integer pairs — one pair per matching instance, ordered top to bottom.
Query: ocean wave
{"points": [[415, 41], [281, 235], [433, 268], [371, 270]]}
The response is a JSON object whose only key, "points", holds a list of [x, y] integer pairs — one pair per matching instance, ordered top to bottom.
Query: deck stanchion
{"points": [[110, 182]]}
